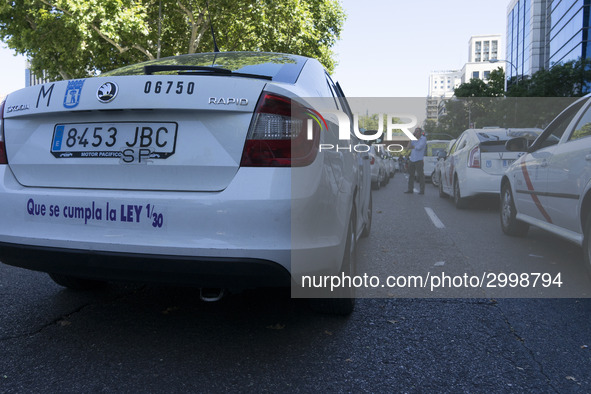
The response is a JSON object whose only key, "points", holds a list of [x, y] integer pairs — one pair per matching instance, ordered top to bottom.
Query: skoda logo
{"points": [[107, 92]]}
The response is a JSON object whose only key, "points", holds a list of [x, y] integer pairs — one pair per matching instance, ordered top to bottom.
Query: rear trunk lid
{"points": [[142, 132], [494, 157]]}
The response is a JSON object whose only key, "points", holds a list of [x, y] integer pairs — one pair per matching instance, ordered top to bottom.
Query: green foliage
{"points": [[78, 38], [562, 80], [478, 88], [530, 101], [371, 122]]}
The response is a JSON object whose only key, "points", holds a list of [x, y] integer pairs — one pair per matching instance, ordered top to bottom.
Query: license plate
{"points": [[154, 140], [507, 163]]}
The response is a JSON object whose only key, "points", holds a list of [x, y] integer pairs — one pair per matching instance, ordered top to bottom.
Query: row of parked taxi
{"points": [[383, 166], [543, 177]]}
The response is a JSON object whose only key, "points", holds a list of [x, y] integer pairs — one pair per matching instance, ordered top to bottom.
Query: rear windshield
{"points": [[279, 67], [496, 136], [494, 141], [434, 148]]}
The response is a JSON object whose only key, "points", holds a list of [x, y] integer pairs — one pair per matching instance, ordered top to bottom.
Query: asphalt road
{"points": [[136, 338]]}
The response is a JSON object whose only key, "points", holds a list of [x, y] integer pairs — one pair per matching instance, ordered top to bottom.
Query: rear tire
{"points": [[434, 179], [509, 224], [75, 283], [343, 298]]}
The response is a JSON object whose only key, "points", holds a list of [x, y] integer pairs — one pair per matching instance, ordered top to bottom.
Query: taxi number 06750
{"points": [[167, 86]]}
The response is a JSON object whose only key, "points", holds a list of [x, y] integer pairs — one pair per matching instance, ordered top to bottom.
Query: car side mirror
{"points": [[518, 144]]}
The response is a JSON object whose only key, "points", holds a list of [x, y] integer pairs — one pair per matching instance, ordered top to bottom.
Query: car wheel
{"points": [[434, 179], [441, 192], [459, 201], [509, 224], [367, 227], [587, 245], [75, 283], [343, 298]]}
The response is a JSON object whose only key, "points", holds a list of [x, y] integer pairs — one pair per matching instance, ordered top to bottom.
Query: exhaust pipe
{"points": [[211, 295]]}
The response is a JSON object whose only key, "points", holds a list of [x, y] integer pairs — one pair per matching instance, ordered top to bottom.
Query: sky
{"points": [[387, 47]]}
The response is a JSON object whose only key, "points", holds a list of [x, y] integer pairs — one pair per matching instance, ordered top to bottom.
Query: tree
{"points": [[78, 38], [570, 79], [495, 87], [530, 102]]}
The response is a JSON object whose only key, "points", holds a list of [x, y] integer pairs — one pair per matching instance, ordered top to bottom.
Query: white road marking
{"points": [[436, 222]]}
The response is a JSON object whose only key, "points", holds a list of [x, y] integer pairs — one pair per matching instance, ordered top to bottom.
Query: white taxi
{"points": [[434, 147], [477, 161], [196, 169], [550, 186]]}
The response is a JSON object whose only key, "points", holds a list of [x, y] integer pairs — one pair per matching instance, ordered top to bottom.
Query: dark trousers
{"points": [[416, 167]]}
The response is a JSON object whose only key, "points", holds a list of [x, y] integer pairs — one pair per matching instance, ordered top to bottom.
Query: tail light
{"points": [[278, 136], [474, 157], [3, 158], [372, 160]]}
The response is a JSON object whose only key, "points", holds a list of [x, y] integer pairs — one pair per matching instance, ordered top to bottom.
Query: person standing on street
{"points": [[416, 164]]}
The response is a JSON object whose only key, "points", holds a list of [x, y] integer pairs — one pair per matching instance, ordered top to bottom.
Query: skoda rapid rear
{"points": [[180, 171]]}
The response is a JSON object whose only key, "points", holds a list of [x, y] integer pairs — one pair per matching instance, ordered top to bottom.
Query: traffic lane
{"points": [[477, 233], [404, 242], [554, 332], [162, 339]]}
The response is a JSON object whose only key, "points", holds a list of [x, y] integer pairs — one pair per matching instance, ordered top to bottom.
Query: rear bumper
{"points": [[476, 182], [252, 229], [183, 270]]}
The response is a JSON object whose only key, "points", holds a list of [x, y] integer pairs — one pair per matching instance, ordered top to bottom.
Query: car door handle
{"points": [[588, 157]]}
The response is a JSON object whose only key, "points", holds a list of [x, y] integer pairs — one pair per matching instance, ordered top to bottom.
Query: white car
{"points": [[432, 156], [477, 161], [390, 164], [396, 164], [377, 167], [196, 169], [436, 176], [550, 186]]}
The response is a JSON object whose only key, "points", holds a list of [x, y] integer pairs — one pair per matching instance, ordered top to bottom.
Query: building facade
{"points": [[542, 33], [568, 34], [527, 37], [483, 56], [31, 79], [441, 87]]}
